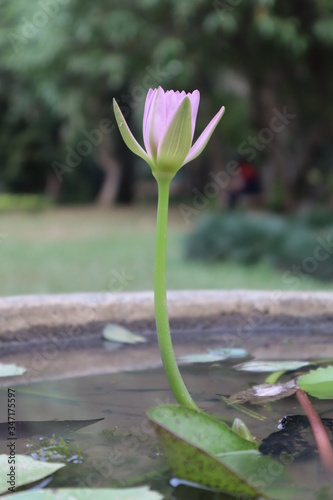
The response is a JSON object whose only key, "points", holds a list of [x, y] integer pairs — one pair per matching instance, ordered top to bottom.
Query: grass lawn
{"points": [[85, 249]]}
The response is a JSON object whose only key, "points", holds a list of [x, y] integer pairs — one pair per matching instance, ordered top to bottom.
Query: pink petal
{"points": [[195, 99], [172, 100], [146, 117], [156, 121], [201, 142]]}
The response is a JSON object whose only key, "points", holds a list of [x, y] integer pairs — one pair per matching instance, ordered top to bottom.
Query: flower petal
{"points": [[195, 99], [173, 100], [146, 118], [156, 122], [128, 137], [177, 140], [201, 142]]}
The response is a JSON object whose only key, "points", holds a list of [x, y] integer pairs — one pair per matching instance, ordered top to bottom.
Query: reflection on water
{"points": [[121, 449]]}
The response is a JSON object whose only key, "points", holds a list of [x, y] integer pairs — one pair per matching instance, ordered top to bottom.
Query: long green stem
{"points": [[162, 321]]}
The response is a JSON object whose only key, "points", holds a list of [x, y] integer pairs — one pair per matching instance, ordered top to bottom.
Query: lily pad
{"points": [[117, 333], [214, 355], [204, 357], [271, 366], [11, 370], [318, 383], [203, 450], [27, 470], [140, 493]]}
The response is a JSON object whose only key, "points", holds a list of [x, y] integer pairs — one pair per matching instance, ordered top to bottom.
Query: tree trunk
{"points": [[52, 187], [108, 193]]}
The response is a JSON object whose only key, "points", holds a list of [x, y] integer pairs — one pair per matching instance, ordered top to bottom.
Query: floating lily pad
{"points": [[116, 333], [229, 353], [214, 355], [204, 357], [271, 366], [11, 370], [318, 383], [203, 450], [27, 470], [140, 493]]}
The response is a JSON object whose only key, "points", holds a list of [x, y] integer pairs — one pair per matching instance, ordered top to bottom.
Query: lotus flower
{"points": [[168, 129]]}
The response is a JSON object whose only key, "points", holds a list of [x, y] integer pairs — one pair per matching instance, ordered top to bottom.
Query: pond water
{"points": [[121, 449]]}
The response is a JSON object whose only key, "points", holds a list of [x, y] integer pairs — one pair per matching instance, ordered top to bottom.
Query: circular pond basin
{"points": [[73, 374]]}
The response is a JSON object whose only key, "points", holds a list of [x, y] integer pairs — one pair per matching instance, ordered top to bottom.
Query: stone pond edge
{"points": [[30, 311]]}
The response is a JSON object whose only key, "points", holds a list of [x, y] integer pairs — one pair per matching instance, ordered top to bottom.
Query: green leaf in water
{"points": [[116, 333], [229, 353], [214, 355], [204, 357], [271, 366], [11, 370], [274, 377], [318, 383], [240, 428], [203, 450], [27, 471], [140, 493]]}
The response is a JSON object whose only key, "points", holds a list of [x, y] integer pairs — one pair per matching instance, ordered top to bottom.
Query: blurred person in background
{"points": [[245, 188]]}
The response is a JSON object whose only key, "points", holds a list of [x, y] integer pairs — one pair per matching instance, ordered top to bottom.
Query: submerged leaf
{"points": [[116, 333], [229, 353], [214, 355], [204, 357], [271, 366], [11, 370], [318, 383], [264, 393], [45, 428], [203, 450], [27, 470], [139, 493]]}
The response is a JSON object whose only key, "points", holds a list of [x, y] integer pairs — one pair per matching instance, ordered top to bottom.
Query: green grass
{"points": [[84, 250]]}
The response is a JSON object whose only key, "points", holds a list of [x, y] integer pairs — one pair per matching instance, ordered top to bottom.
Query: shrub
{"points": [[318, 218], [244, 237], [251, 237]]}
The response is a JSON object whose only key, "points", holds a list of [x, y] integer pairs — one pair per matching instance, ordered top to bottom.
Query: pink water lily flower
{"points": [[168, 129]]}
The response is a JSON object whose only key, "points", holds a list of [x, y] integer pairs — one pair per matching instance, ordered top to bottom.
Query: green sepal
{"points": [[176, 142]]}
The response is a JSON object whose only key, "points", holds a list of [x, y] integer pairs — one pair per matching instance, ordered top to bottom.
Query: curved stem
{"points": [[162, 322], [319, 431]]}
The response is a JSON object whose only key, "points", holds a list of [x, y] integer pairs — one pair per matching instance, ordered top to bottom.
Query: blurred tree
{"points": [[269, 61]]}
